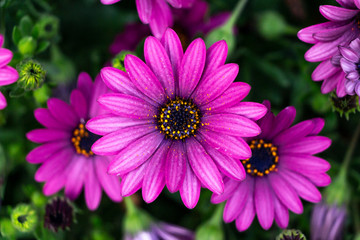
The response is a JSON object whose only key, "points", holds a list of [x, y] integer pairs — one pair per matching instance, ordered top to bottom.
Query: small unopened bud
{"points": [[272, 25], [47, 27], [27, 46], [118, 60], [31, 75], [345, 105], [58, 214], [24, 218], [291, 234]]}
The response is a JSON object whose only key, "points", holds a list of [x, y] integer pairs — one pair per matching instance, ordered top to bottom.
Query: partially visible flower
{"points": [[156, 13], [188, 23], [47, 27], [342, 28], [8, 75], [31, 75], [345, 105], [177, 120], [65, 154], [281, 170], [58, 214], [24, 218], [327, 222], [291, 235]]}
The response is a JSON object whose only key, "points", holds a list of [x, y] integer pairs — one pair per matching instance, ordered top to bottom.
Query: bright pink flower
{"points": [[156, 13], [188, 22], [342, 28], [8, 75], [178, 119], [65, 154], [282, 169]]}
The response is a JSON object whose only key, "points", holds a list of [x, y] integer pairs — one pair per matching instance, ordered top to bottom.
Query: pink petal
{"points": [[108, 2], [175, 3], [144, 8], [337, 13], [161, 18], [307, 34], [173, 48], [349, 54], [5, 56], [215, 57], [158, 61], [192, 67], [324, 70], [8, 75], [144, 79], [215, 84], [85, 85], [98, 90], [232, 96], [78, 102], [3, 103], [127, 106], [59, 109], [251, 110], [45, 118], [283, 121], [109, 123], [231, 124], [318, 125], [294, 133], [47, 135], [114, 142], [228, 145], [307, 145], [43, 152], [135, 154], [304, 163], [175, 166], [204, 167], [76, 176], [154, 179], [319, 179], [132, 181], [54, 184], [110, 184], [92, 187], [229, 187], [190, 189], [286, 193], [264, 202], [281, 214], [244, 220]]}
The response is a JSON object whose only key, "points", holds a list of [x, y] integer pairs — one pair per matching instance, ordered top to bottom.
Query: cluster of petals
{"points": [[156, 13], [188, 23], [342, 27], [8, 75], [144, 157], [61, 166], [297, 174]]}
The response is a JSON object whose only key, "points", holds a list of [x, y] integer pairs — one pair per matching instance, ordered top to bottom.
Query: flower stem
{"points": [[236, 13], [130, 206], [216, 218]]}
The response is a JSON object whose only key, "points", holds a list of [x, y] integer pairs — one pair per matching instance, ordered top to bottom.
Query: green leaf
{"points": [[26, 26], [16, 35], [43, 45]]}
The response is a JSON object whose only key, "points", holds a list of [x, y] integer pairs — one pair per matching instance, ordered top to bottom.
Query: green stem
{"points": [[235, 14], [349, 152], [130, 206], [356, 216], [216, 218]]}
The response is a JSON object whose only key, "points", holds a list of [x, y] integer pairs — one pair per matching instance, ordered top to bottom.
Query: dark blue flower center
{"points": [[178, 119], [83, 140], [264, 158]]}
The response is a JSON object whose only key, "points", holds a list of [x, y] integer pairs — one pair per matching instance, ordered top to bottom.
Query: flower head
{"points": [[342, 28], [8, 75], [32, 75], [345, 105], [176, 120], [65, 154], [282, 169], [58, 214], [24, 218], [327, 222], [291, 235]]}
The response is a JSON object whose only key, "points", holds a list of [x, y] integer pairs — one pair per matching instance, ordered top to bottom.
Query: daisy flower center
{"points": [[178, 119], [83, 140], [264, 158]]}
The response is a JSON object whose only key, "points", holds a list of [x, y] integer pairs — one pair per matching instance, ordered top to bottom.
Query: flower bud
{"points": [[271, 25], [47, 27], [27, 46], [118, 60], [31, 75], [345, 105], [58, 214], [24, 218], [291, 234]]}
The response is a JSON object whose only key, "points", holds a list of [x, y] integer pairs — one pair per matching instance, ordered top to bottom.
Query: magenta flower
{"points": [[156, 13], [188, 22], [342, 28], [350, 63], [8, 75], [177, 120], [65, 154], [281, 170]]}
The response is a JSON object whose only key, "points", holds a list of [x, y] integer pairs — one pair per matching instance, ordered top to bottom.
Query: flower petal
{"points": [[144, 8], [336, 14], [161, 18], [349, 54], [5, 57], [215, 57], [191, 68], [324, 70], [8, 75], [85, 85], [78, 102], [59, 109], [251, 110], [45, 118], [283, 121], [294, 133], [47, 135], [307, 145], [43, 152], [304, 163], [175, 166], [76, 176], [132, 181], [92, 187], [229, 187], [190, 189], [264, 203], [281, 214], [244, 220]]}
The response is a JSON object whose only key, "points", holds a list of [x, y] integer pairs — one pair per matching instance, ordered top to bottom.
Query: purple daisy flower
{"points": [[156, 13], [188, 22], [343, 27], [350, 63], [8, 75], [177, 120], [65, 154], [281, 170], [162, 230]]}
